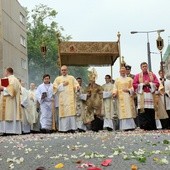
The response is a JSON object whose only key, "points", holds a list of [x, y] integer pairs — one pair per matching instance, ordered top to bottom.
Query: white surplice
{"points": [[45, 105], [25, 111]]}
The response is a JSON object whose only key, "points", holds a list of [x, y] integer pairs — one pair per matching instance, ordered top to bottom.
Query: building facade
{"points": [[13, 48]]}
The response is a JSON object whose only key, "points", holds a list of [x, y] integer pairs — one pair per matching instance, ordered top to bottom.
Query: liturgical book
{"points": [[4, 82]]}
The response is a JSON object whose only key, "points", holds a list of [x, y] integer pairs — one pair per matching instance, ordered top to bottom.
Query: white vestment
{"points": [[167, 94], [164, 103], [45, 105], [67, 105], [126, 106], [80, 109], [108, 109], [33, 110], [25, 111], [12, 121]]}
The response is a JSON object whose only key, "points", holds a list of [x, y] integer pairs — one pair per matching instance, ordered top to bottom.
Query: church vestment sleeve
{"points": [[76, 84], [58, 85], [55, 86], [61, 87], [153, 87], [115, 88], [167, 88], [131, 89], [139, 89], [9, 91], [5, 92], [131, 92], [167, 92], [107, 94], [39, 95], [33, 96], [24, 100], [56, 100]]}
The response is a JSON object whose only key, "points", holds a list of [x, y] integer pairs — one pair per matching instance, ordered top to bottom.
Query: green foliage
{"points": [[42, 29], [166, 141]]}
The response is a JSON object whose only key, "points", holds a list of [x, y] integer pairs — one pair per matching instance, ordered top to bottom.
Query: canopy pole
{"points": [[119, 49], [59, 57]]}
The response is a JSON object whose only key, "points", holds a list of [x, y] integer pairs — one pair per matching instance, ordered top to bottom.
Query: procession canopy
{"points": [[88, 53]]}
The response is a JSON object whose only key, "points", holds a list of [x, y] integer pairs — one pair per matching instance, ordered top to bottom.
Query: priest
{"points": [[65, 87], [10, 117]]}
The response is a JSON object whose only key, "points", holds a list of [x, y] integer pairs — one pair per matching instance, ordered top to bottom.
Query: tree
{"points": [[42, 29]]}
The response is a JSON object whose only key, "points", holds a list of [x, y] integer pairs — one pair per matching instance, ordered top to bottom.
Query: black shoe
{"points": [[109, 129], [43, 130], [81, 130], [129, 130], [48, 131], [70, 131], [35, 132], [4, 134]]}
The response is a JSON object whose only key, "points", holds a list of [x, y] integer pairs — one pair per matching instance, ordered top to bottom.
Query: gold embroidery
{"points": [[3, 107]]}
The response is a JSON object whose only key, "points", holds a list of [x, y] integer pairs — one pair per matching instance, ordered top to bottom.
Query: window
{"points": [[22, 18], [22, 41], [23, 63]]}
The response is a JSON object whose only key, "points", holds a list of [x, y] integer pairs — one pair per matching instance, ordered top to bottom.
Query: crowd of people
{"points": [[128, 102]]}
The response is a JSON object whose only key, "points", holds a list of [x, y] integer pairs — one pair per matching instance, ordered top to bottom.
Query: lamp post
{"points": [[148, 44], [160, 45], [43, 52]]}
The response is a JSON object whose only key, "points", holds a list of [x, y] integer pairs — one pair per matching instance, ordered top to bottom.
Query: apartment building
{"points": [[13, 47]]}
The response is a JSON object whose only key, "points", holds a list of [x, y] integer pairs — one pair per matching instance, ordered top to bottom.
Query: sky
{"points": [[101, 20]]}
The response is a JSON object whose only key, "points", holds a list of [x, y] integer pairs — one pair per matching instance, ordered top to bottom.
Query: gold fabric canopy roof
{"points": [[88, 53]]}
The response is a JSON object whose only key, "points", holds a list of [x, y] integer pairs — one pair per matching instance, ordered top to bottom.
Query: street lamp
{"points": [[148, 44], [160, 45], [43, 52]]}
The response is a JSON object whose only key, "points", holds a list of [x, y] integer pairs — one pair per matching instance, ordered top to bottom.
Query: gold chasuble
{"points": [[67, 98], [10, 102], [126, 106]]}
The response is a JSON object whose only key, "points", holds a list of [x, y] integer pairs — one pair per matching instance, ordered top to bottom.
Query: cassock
{"points": [[146, 99], [125, 100], [67, 101], [10, 105], [45, 105]]}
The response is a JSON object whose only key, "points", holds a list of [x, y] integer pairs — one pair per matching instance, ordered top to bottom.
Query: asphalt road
{"points": [[145, 150]]}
